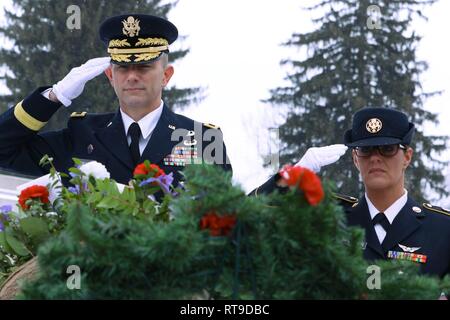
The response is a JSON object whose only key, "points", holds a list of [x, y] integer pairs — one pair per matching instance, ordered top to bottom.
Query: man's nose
{"points": [[132, 74]]}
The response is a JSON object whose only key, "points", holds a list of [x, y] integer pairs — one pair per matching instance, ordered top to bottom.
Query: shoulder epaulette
{"points": [[78, 114], [209, 125], [349, 199], [436, 209]]}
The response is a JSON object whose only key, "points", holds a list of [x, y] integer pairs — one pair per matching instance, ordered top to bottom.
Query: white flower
{"points": [[95, 169]]}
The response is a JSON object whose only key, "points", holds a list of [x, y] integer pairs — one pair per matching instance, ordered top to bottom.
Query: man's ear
{"points": [[108, 73], [168, 73]]}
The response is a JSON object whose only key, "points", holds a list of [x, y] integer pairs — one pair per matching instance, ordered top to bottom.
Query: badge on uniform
{"points": [[181, 156], [408, 249], [415, 257]]}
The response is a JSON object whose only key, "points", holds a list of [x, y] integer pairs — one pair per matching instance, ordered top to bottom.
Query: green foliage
{"points": [[44, 50], [350, 66], [26, 229], [280, 248], [400, 280]]}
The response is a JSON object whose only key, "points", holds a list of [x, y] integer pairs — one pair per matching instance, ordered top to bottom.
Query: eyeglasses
{"points": [[386, 150]]}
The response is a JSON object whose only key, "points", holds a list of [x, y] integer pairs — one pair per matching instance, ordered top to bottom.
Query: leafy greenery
{"points": [[279, 248]]}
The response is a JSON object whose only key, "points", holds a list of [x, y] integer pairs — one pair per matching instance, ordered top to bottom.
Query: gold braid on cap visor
{"points": [[123, 54]]}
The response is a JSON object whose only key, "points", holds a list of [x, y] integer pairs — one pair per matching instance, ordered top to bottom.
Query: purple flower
{"points": [[163, 181], [76, 189], [6, 208], [3, 215]]}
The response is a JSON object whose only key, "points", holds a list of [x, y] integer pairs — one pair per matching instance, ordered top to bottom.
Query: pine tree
{"points": [[47, 43], [358, 56]]}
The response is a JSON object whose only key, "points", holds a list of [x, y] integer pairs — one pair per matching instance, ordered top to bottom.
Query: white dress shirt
{"points": [[147, 124], [390, 213]]}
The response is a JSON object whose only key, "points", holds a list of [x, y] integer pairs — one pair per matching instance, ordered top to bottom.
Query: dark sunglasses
{"points": [[389, 150]]}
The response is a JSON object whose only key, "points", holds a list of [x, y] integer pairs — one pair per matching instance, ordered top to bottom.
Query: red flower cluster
{"points": [[151, 168], [304, 179], [33, 192], [218, 225]]}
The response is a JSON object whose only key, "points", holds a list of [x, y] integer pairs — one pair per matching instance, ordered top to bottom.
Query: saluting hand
{"points": [[73, 83], [315, 158]]}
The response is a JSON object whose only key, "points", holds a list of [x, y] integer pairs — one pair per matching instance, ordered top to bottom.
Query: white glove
{"points": [[73, 83], [316, 158]]}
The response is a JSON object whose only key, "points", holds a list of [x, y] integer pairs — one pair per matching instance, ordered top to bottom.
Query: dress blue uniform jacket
{"points": [[99, 137], [419, 229], [423, 229]]}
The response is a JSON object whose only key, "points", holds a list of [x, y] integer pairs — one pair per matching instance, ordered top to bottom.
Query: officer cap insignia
{"points": [[131, 27], [137, 38], [78, 114], [374, 125], [379, 126]]}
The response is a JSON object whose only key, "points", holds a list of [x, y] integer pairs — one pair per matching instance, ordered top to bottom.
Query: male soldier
{"points": [[143, 128]]}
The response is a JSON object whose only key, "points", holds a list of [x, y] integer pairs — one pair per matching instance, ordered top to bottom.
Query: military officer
{"points": [[142, 128], [396, 226]]}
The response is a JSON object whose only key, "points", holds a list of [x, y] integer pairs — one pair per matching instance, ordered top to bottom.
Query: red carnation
{"points": [[151, 168], [304, 179], [33, 192], [218, 225]]}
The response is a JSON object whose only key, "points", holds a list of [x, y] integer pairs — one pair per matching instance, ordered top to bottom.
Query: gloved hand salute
{"points": [[72, 85], [317, 157]]}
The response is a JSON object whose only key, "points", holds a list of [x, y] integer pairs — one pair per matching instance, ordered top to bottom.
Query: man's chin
{"points": [[135, 102]]}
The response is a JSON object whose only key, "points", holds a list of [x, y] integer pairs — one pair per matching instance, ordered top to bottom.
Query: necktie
{"points": [[135, 133], [381, 219]]}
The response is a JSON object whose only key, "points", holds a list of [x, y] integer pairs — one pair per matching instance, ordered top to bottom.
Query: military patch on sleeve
{"points": [[78, 114], [209, 125], [345, 198], [437, 209]]}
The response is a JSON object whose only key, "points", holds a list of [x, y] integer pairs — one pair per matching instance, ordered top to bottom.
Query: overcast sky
{"points": [[235, 53]]}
